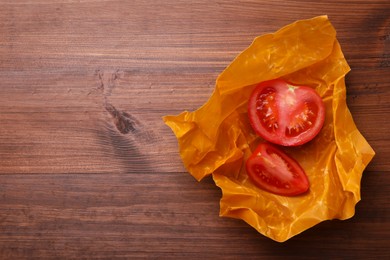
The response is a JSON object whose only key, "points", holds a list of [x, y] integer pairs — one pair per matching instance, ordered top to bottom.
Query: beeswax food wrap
{"points": [[217, 138]]}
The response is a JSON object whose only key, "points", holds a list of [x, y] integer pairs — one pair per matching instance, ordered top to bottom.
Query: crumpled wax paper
{"points": [[217, 138]]}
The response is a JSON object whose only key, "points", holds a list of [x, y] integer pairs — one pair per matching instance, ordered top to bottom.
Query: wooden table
{"points": [[89, 170]]}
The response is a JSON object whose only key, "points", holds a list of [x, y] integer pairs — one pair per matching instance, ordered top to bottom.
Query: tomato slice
{"points": [[285, 114], [274, 171]]}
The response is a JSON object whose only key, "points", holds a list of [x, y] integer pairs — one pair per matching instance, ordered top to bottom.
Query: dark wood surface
{"points": [[89, 170]]}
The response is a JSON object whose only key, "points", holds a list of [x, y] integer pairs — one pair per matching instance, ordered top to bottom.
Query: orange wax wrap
{"points": [[217, 138]]}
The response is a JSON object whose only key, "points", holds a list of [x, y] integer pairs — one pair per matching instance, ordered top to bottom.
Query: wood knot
{"points": [[124, 122]]}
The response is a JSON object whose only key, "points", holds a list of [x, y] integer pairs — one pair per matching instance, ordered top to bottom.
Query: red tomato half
{"points": [[285, 114], [273, 170]]}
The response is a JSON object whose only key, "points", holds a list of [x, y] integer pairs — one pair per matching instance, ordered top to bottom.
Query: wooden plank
{"points": [[163, 215]]}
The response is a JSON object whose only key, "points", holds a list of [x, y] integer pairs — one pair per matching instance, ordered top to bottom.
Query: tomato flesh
{"points": [[285, 114], [274, 171]]}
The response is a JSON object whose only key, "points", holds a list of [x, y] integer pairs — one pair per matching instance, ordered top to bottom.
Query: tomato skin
{"points": [[284, 114], [273, 170]]}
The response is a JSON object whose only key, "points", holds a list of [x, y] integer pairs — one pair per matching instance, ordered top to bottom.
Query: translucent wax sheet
{"points": [[217, 138]]}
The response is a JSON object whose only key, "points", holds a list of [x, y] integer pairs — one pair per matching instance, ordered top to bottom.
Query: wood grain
{"points": [[89, 170]]}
